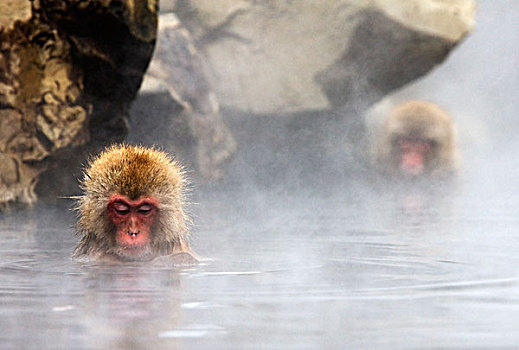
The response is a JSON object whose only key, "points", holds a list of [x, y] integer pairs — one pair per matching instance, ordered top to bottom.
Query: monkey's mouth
{"points": [[412, 164], [133, 246]]}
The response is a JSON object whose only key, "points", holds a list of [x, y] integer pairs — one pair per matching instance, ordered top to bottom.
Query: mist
{"points": [[306, 246]]}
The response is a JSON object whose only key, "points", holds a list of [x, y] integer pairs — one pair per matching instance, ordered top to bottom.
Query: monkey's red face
{"points": [[414, 154], [133, 220]]}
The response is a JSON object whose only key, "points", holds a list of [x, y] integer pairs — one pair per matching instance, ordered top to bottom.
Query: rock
{"points": [[279, 56], [382, 56], [69, 70], [177, 108]]}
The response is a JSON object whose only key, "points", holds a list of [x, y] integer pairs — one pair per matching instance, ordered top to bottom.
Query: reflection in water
{"points": [[125, 306]]}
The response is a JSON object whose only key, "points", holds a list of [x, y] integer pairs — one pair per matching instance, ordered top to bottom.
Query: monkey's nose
{"points": [[133, 233]]}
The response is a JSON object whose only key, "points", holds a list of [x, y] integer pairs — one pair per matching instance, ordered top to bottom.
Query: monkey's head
{"points": [[418, 139], [132, 204]]}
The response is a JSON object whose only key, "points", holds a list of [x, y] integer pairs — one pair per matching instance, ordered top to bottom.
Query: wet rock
{"points": [[280, 56], [69, 70], [177, 108]]}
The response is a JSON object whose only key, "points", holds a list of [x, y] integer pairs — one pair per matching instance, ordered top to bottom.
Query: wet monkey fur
{"points": [[417, 140], [132, 207]]}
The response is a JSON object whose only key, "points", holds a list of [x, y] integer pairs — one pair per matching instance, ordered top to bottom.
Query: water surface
{"points": [[305, 269]]}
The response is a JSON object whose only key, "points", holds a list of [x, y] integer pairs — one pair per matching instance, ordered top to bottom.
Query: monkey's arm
{"points": [[177, 259]]}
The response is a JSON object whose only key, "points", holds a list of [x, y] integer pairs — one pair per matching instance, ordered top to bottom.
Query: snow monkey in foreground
{"points": [[418, 139], [132, 208]]}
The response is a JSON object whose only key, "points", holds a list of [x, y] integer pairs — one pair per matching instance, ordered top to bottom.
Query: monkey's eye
{"points": [[121, 208], [145, 209]]}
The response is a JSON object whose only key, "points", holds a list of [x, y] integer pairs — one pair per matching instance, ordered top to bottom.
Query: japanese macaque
{"points": [[417, 140], [132, 208]]}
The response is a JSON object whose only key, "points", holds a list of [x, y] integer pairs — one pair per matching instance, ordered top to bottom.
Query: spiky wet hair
{"points": [[133, 171]]}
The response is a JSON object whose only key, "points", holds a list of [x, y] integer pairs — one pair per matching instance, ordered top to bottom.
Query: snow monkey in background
{"points": [[417, 139], [132, 208]]}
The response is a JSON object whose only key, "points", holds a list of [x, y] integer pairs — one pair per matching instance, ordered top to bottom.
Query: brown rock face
{"points": [[68, 72]]}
